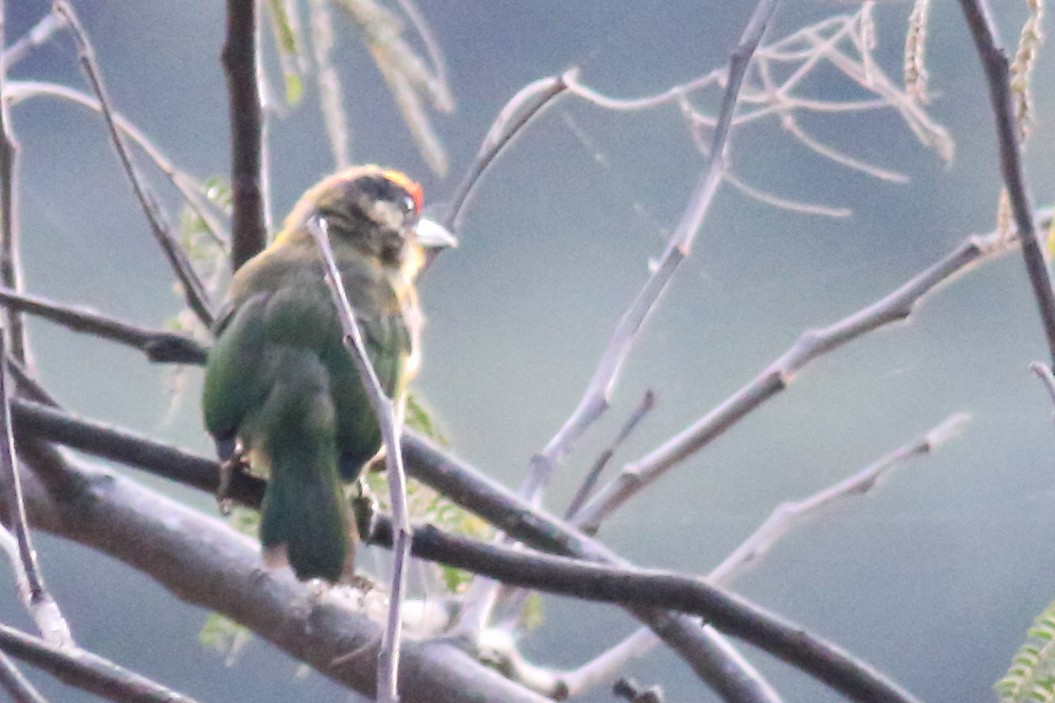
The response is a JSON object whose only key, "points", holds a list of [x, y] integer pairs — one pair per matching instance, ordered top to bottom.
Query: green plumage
{"points": [[280, 381]]}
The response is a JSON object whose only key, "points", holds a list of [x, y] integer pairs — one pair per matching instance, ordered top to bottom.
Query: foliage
{"points": [[1032, 673]]}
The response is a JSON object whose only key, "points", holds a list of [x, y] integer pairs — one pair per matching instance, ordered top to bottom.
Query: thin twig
{"points": [[38, 35], [995, 63], [331, 101], [527, 104], [270, 106], [192, 190], [249, 235], [10, 266], [193, 291], [813, 343], [158, 345], [1046, 377], [595, 400], [648, 402], [391, 432], [473, 490], [791, 514], [785, 518], [36, 598], [480, 600], [87, 671], [17, 685]]}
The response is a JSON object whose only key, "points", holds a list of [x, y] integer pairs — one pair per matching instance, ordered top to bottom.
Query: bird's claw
{"points": [[228, 468]]}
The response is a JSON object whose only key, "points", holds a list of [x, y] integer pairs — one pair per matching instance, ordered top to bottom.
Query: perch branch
{"points": [[997, 72], [249, 235], [193, 291], [384, 410], [426, 462], [205, 562]]}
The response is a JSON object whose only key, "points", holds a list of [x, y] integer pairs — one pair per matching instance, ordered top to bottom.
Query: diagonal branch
{"points": [[994, 62], [192, 190], [196, 297], [897, 305], [158, 345], [596, 398], [391, 432], [496, 504], [785, 518], [205, 562], [87, 671], [17, 685]]}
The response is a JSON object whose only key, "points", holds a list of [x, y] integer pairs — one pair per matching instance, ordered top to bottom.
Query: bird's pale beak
{"points": [[433, 235]]}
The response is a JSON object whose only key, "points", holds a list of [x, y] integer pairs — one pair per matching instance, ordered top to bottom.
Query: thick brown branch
{"points": [[249, 235]]}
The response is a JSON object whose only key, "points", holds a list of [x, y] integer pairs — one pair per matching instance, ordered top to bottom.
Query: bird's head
{"points": [[375, 211]]}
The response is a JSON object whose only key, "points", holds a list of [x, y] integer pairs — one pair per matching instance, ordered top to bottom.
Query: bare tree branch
{"points": [[38, 35], [995, 63], [527, 104], [192, 190], [249, 235], [10, 267], [193, 291], [813, 343], [158, 345], [596, 398], [648, 402], [391, 433], [426, 462], [785, 518], [205, 562], [617, 584], [38, 601], [87, 671], [17, 685]]}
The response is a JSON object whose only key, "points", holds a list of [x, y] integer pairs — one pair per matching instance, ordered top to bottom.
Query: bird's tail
{"points": [[305, 517]]}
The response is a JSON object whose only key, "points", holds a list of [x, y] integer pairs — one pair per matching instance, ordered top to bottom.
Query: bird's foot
{"points": [[228, 468], [364, 508]]}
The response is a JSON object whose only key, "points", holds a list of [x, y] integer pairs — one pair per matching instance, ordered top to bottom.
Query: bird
{"points": [[282, 394]]}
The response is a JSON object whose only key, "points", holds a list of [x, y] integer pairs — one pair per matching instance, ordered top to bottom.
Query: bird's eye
{"points": [[408, 205]]}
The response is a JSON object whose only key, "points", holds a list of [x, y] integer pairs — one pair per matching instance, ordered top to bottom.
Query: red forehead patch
{"points": [[404, 182]]}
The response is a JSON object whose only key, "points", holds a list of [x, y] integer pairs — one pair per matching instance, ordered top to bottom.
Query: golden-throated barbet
{"points": [[282, 393]]}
